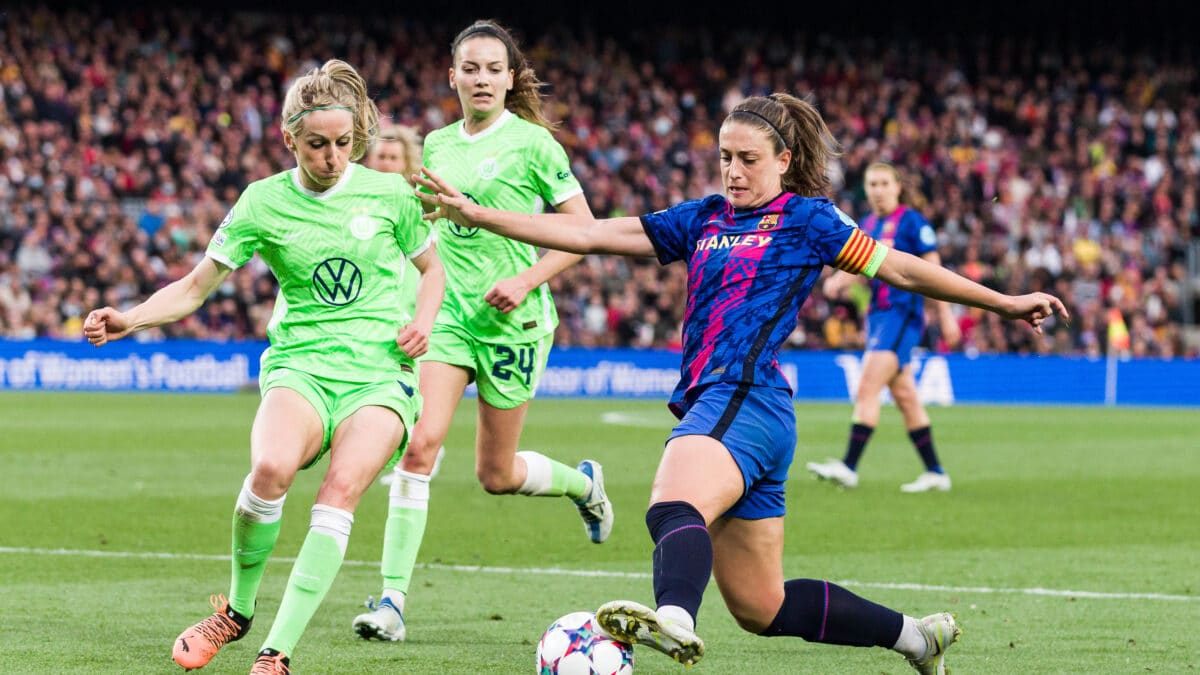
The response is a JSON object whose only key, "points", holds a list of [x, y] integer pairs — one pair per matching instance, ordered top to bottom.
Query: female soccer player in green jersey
{"points": [[497, 322], [339, 375]]}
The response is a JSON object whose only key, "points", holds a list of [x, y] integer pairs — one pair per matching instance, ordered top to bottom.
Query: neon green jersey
{"points": [[512, 165], [339, 257]]}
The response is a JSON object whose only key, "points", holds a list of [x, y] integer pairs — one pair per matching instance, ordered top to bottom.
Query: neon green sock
{"points": [[545, 477], [567, 480], [408, 510], [402, 535], [252, 545], [316, 566]]}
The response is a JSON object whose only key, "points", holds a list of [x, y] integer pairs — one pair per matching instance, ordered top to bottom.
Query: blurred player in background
{"points": [[397, 150], [753, 256], [497, 324], [895, 324], [339, 376]]}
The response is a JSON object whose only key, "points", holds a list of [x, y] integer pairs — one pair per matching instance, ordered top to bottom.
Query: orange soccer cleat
{"points": [[196, 646], [270, 662]]}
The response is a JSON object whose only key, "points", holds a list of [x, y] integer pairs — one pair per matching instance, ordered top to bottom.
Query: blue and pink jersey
{"points": [[904, 230], [749, 272]]}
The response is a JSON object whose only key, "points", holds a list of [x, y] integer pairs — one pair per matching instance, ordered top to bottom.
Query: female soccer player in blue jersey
{"points": [[753, 254], [498, 319], [894, 327], [339, 377]]}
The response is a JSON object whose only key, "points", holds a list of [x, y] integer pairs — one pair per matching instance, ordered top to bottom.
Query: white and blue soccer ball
{"points": [[575, 645]]}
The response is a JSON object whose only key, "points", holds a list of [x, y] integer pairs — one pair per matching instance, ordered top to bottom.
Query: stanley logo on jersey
{"points": [[718, 241]]}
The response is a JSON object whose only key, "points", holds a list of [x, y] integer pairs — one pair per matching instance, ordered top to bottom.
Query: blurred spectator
{"points": [[125, 135]]}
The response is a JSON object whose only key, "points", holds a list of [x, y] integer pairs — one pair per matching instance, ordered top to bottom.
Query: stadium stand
{"points": [[124, 136]]}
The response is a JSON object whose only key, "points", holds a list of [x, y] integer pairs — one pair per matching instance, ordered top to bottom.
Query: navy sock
{"points": [[859, 435], [923, 440], [683, 556], [820, 611]]}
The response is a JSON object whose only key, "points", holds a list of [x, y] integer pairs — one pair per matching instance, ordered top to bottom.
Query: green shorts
{"points": [[507, 374], [334, 401]]}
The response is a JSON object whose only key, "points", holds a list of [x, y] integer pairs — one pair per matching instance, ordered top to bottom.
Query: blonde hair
{"points": [[334, 85], [525, 99], [793, 124], [404, 135], [910, 194]]}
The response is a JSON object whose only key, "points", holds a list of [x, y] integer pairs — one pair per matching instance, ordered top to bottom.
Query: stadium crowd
{"points": [[125, 136]]}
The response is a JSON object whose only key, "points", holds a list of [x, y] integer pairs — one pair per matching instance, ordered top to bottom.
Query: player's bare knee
{"points": [[866, 398], [420, 454], [418, 462], [270, 479], [495, 482], [342, 490], [751, 619]]}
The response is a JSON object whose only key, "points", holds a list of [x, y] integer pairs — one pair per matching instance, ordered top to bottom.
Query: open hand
{"points": [[446, 201]]}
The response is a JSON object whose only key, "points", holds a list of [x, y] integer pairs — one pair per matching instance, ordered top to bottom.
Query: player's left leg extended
{"points": [[507, 376], [362, 444], [748, 568]]}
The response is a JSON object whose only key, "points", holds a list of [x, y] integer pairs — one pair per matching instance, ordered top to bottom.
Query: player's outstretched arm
{"points": [[572, 232], [911, 273], [169, 303]]}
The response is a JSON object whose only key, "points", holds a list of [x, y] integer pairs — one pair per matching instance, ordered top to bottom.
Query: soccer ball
{"points": [[575, 645]]}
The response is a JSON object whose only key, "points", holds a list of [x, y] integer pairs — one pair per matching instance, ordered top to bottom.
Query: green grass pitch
{"points": [[1070, 543]]}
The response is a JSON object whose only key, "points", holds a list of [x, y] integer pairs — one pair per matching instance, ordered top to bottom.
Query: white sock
{"points": [[539, 475], [409, 490], [254, 508], [334, 522], [396, 597], [677, 615], [911, 642]]}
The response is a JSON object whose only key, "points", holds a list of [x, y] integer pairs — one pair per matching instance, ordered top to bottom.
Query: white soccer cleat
{"points": [[834, 470], [928, 481], [595, 509], [383, 622], [632, 623], [940, 631]]}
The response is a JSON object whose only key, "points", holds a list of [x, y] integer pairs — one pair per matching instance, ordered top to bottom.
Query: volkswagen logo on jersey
{"points": [[489, 168], [363, 227], [461, 231], [337, 282]]}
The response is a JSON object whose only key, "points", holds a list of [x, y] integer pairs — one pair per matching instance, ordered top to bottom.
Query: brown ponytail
{"points": [[525, 99], [795, 125]]}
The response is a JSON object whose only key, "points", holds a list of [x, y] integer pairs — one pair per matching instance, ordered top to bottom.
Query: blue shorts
{"points": [[895, 331], [758, 427]]}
